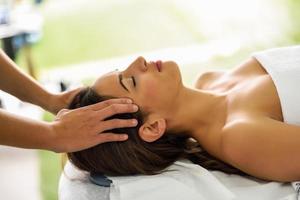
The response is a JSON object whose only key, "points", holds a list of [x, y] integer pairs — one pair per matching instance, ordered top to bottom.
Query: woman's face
{"points": [[153, 86]]}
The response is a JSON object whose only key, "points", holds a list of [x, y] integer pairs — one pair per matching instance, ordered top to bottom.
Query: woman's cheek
{"points": [[150, 91]]}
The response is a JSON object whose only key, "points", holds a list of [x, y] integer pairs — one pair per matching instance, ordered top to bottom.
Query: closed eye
{"points": [[133, 80], [121, 83]]}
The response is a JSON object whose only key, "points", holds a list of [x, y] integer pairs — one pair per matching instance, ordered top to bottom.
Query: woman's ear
{"points": [[152, 130]]}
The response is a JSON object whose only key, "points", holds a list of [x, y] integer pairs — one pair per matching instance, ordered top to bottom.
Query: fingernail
{"points": [[135, 108], [134, 122], [124, 137]]}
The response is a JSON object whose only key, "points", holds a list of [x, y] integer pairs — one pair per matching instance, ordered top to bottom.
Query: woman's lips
{"points": [[158, 65]]}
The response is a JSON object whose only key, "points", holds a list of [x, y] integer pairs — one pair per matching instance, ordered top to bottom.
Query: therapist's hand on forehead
{"points": [[72, 130]]}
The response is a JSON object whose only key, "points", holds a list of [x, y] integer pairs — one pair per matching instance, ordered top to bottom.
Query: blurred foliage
{"points": [[294, 13], [95, 32], [48, 117], [50, 169]]}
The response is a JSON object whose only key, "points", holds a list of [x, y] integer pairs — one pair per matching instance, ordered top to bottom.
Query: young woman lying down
{"points": [[243, 121]]}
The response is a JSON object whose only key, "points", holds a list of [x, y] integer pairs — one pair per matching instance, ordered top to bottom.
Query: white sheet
{"points": [[183, 181], [75, 185], [242, 187], [246, 188]]}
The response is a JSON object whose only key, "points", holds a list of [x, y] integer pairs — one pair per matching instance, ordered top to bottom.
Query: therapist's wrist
{"points": [[46, 101], [56, 103], [46, 139], [54, 142]]}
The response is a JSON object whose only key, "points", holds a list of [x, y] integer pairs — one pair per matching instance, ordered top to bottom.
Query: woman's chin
{"points": [[174, 70]]}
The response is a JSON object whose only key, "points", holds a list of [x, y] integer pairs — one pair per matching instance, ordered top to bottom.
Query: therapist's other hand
{"points": [[60, 101], [78, 129]]}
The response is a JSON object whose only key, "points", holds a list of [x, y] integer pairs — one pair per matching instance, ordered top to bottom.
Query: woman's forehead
{"points": [[108, 84]]}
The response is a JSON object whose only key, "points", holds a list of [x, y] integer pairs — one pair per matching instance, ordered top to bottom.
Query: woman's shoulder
{"points": [[206, 78], [246, 131], [261, 146]]}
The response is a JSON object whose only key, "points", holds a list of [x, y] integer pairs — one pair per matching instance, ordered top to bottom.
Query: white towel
{"points": [[283, 65], [185, 181]]}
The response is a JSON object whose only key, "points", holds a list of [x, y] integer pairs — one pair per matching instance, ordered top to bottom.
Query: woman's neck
{"points": [[196, 111]]}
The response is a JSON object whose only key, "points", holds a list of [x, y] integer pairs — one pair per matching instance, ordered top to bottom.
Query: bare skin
{"points": [[235, 115], [69, 132], [252, 136]]}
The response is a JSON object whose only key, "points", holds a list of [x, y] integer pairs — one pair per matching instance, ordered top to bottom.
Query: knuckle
{"points": [[107, 103], [129, 107], [114, 108], [117, 123], [125, 123], [105, 137], [113, 137]]}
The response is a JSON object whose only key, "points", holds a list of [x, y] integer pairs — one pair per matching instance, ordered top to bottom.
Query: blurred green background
{"points": [[77, 31]]}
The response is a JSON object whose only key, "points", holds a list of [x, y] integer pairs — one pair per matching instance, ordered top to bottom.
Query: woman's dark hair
{"points": [[135, 156]]}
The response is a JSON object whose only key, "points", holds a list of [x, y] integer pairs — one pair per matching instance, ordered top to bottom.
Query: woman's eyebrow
{"points": [[121, 83]]}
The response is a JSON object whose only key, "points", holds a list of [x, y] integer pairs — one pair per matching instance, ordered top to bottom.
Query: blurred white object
{"points": [[20, 18], [182, 180], [187, 181], [75, 184], [296, 186]]}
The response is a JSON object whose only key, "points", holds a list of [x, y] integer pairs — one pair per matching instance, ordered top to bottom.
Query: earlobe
{"points": [[152, 131]]}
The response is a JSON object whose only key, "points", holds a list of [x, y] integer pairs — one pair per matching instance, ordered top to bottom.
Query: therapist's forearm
{"points": [[21, 85], [24, 132]]}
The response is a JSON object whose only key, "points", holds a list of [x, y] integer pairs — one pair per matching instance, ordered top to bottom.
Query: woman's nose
{"points": [[139, 65]]}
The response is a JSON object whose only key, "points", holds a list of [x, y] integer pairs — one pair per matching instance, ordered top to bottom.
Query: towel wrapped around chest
{"points": [[283, 65]]}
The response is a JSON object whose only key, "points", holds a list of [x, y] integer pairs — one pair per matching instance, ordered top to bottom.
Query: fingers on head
{"points": [[109, 102], [118, 109], [117, 123], [111, 137]]}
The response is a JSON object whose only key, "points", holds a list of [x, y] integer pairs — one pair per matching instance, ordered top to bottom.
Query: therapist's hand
{"points": [[62, 100], [81, 128]]}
